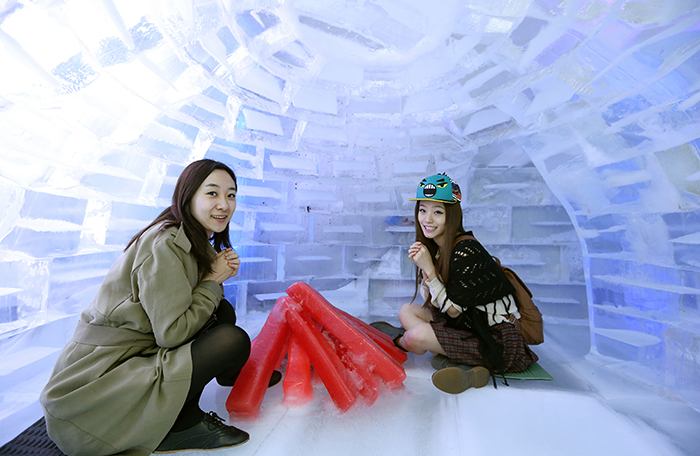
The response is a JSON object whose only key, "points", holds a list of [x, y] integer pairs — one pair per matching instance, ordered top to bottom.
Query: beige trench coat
{"points": [[120, 383]]}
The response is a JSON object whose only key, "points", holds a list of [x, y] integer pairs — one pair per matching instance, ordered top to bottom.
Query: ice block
{"points": [[324, 360], [386, 367], [297, 386], [248, 391]]}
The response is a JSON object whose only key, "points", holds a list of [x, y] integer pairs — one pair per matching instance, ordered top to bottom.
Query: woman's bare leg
{"points": [[412, 314], [419, 336]]}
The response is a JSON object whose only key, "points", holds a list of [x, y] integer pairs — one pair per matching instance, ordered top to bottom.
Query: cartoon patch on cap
{"points": [[438, 188]]}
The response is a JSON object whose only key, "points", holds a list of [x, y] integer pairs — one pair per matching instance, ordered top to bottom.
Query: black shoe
{"points": [[391, 331], [275, 378], [455, 380], [209, 434]]}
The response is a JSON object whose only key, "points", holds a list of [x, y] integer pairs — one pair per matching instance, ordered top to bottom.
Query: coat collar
{"points": [[181, 239]]}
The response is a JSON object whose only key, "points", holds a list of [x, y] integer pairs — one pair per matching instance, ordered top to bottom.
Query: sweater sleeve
{"points": [[424, 290], [438, 295], [175, 308]]}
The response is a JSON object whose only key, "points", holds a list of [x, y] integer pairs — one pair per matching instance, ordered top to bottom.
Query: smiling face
{"points": [[214, 202], [431, 218]]}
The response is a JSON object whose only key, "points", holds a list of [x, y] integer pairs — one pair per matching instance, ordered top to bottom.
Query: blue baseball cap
{"points": [[440, 188]]}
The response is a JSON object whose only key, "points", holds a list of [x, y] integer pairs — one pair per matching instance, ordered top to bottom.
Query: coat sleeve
{"points": [[176, 309]]}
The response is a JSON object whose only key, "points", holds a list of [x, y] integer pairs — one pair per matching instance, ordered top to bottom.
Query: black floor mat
{"points": [[33, 441]]}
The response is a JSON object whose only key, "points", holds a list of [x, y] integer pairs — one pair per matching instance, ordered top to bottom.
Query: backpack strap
{"points": [[463, 237]]}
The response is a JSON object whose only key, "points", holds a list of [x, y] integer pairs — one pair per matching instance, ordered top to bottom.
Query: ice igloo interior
{"points": [[572, 127]]}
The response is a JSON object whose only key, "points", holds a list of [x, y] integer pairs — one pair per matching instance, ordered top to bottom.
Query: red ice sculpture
{"points": [[381, 339], [362, 348], [347, 354], [324, 360], [364, 379], [298, 389], [248, 391]]}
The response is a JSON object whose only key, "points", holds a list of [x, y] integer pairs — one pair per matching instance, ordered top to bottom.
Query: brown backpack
{"points": [[530, 322]]}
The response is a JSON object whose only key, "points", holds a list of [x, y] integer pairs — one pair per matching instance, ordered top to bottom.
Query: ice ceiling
{"points": [[572, 127]]}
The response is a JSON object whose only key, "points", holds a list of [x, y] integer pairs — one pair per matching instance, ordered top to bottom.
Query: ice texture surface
{"points": [[572, 128]]}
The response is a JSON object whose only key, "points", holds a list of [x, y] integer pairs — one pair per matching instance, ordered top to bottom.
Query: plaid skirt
{"points": [[462, 346]]}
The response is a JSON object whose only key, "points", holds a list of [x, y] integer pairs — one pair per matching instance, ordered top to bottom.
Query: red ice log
{"points": [[377, 336], [361, 347], [283, 352], [325, 361], [367, 382], [297, 386], [250, 387]]}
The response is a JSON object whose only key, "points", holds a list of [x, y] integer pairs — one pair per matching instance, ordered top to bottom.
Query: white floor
{"points": [[586, 410], [567, 416]]}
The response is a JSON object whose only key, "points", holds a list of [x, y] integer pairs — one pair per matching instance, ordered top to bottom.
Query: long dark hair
{"points": [[179, 213], [453, 229]]}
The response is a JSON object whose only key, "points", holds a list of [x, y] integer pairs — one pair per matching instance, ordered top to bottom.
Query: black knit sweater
{"points": [[475, 278]]}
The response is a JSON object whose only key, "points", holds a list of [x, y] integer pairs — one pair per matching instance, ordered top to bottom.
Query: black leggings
{"points": [[221, 352]]}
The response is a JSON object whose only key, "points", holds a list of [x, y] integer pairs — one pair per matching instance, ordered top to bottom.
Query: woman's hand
{"points": [[420, 255], [232, 259], [224, 266]]}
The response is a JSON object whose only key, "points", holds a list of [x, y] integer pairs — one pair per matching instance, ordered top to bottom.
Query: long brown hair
{"points": [[179, 213], [453, 228]]}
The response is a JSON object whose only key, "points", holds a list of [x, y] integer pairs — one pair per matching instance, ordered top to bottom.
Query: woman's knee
{"points": [[404, 310], [407, 310], [226, 313], [412, 314], [237, 338], [420, 339], [413, 340], [229, 341], [223, 350]]}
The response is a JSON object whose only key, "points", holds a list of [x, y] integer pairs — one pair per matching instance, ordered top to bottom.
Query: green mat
{"points": [[534, 372]]}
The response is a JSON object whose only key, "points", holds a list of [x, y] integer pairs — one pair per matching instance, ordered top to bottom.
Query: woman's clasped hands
{"points": [[420, 255], [224, 266]]}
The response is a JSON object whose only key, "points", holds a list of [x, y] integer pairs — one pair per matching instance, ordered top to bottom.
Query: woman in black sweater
{"points": [[469, 305]]}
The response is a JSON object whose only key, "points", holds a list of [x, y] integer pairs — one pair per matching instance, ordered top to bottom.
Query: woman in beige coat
{"points": [[157, 332]]}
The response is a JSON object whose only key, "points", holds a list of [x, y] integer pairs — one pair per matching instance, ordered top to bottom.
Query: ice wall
{"points": [[572, 128]]}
